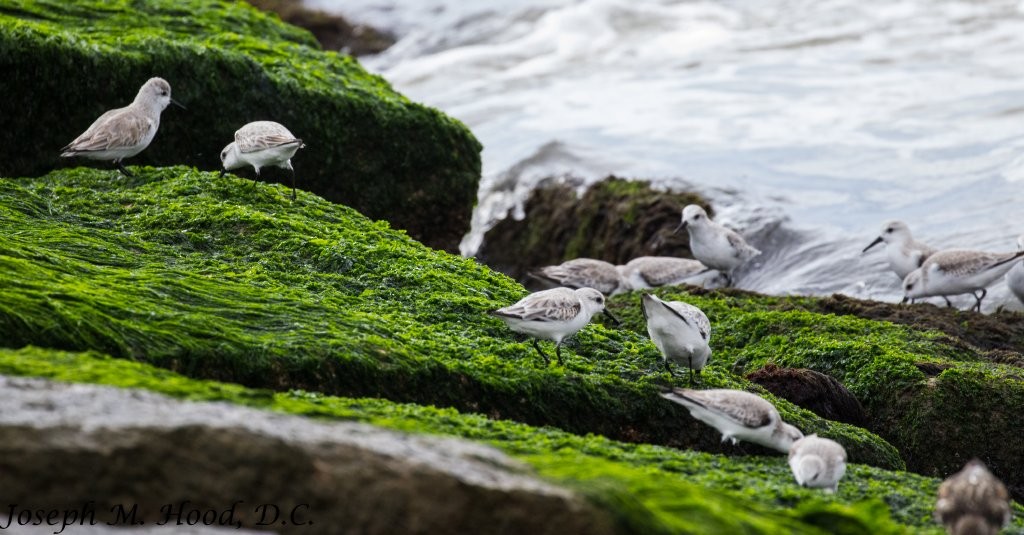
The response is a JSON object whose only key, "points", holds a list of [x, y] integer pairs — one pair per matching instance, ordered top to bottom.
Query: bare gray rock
{"points": [[141, 460]]}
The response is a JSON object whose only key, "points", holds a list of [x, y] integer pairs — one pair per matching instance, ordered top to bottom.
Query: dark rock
{"points": [[332, 31], [615, 220], [815, 391], [64, 445]]}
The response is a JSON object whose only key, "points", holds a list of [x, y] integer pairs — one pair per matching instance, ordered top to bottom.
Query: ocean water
{"points": [[808, 122]]}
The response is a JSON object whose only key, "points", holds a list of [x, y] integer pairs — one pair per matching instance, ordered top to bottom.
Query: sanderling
{"points": [[124, 132], [261, 144], [714, 245], [905, 254], [648, 272], [955, 272], [583, 273], [1015, 277], [553, 314], [680, 330], [738, 415], [817, 462], [973, 501]]}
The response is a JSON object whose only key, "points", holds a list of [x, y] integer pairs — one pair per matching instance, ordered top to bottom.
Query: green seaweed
{"points": [[367, 146], [202, 275], [938, 400], [649, 489]]}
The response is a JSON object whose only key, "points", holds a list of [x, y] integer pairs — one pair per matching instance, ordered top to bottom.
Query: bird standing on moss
{"points": [[124, 132], [261, 144], [714, 245], [955, 271], [554, 314], [680, 330], [738, 415], [817, 462], [973, 502]]}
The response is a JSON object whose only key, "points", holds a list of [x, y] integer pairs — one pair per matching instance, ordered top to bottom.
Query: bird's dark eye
{"points": [[163, 93], [697, 216], [889, 230], [910, 286]]}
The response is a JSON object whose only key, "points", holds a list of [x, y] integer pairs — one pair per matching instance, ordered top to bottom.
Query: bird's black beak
{"points": [[178, 104], [223, 172], [682, 225], [877, 241], [905, 299], [613, 318]]}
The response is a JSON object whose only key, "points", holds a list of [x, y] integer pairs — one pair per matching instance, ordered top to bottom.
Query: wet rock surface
{"points": [[64, 445]]}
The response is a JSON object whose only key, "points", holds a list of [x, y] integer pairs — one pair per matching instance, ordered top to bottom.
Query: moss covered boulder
{"points": [[65, 62], [615, 220], [201, 274], [939, 400], [645, 489]]}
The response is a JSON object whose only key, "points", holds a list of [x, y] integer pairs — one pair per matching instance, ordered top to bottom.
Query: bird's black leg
{"points": [[124, 169], [255, 179], [728, 280], [948, 303], [977, 306], [558, 352], [547, 361], [691, 370]]}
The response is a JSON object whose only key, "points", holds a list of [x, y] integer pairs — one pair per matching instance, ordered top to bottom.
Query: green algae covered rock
{"points": [[64, 62], [201, 274], [939, 400], [647, 489]]}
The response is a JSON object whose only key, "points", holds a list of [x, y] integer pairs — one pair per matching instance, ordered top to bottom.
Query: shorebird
{"points": [[124, 132], [261, 144], [714, 245], [904, 253], [648, 272], [955, 272], [583, 273], [554, 315], [680, 330], [738, 415], [817, 462], [973, 502]]}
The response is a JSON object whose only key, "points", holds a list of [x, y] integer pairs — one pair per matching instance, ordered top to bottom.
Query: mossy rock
{"points": [[67, 61], [615, 220], [203, 275], [939, 400], [647, 489]]}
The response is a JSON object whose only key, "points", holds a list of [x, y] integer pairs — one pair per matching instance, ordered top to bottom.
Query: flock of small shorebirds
{"points": [[970, 501]]}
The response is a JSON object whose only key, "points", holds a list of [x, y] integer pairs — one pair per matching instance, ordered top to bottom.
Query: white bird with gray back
{"points": [[124, 132], [261, 144], [714, 245], [905, 254], [647, 272], [955, 272], [583, 273], [554, 314], [680, 330], [738, 415], [817, 462]]}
